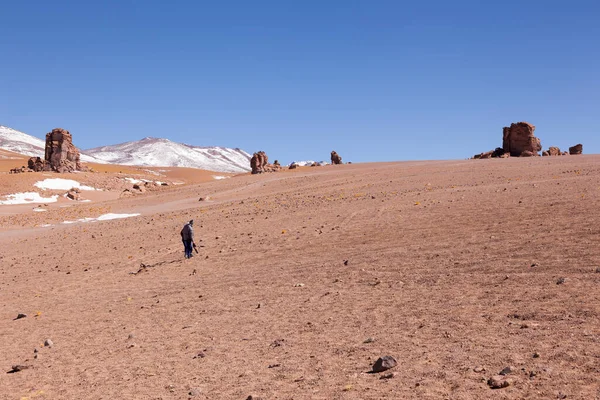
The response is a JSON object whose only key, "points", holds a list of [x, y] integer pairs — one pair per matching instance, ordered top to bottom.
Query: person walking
{"points": [[187, 237]]}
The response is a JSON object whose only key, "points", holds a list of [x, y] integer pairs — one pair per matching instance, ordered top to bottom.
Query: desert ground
{"points": [[457, 269]]}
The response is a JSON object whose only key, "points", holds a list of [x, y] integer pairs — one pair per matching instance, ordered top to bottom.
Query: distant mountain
{"points": [[22, 143], [149, 151], [158, 152]]}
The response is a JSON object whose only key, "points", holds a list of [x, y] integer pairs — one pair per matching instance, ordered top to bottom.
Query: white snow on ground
{"points": [[218, 177], [132, 180], [61, 184], [27, 197], [40, 210], [103, 217]]}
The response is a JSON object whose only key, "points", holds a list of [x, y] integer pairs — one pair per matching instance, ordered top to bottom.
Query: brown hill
{"points": [[306, 278]]}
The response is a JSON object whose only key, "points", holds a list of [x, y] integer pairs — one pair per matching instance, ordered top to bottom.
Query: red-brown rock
{"points": [[519, 138], [576, 150], [554, 151], [527, 153], [61, 154], [545, 154], [335, 158], [258, 162], [36, 164]]}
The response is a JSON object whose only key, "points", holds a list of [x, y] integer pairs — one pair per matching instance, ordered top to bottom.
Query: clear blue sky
{"points": [[375, 80]]}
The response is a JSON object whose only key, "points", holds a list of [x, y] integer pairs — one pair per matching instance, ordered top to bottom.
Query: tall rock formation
{"points": [[519, 138], [61, 154], [335, 158], [258, 162]]}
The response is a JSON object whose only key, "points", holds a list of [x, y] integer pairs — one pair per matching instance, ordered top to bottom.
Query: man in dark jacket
{"points": [[187, 236]]}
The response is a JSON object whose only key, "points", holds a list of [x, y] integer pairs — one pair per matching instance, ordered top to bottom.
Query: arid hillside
{"points": [[457, 269]]}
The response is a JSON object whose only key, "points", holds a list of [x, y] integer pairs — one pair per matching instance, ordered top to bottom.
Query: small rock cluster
{"points": [[518, 140], [260, 163]]}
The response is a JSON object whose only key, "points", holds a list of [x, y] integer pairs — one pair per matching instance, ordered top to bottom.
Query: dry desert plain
{"points": [[457, 269]]}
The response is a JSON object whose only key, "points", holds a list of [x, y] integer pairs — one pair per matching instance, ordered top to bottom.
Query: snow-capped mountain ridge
{"points": [[150, 151], [161, 152]]}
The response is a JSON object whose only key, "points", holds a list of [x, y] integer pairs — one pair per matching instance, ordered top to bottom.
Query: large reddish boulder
{"points": [[519, 138], [575, 150], [554, 151], [61, 154], [335, 158], [36, 164]]}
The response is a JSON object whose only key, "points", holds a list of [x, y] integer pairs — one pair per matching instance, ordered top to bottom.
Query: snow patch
{"points": [[219, 177], [61, 184], [27, 197], [40, 210], [103, 217]]}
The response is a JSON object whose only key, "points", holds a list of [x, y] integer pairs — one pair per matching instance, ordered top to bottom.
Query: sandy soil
{"points": [[457, 269]]}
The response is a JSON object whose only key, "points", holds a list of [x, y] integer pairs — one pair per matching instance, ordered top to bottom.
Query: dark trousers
{"points": [[187, 247]]}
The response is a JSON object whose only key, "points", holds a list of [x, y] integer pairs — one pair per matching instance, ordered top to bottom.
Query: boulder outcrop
{"points": [[519, 138], [576, 150], [554, 151], [61, 155], [335, 158], [258, 162], [36, 164]]}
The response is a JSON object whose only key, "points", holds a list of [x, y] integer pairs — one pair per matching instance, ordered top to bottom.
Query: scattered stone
{"points": [[545, 154], [293, 165], [139, 188], [74, 194], [345, 262], [560, 281], [299, 285], [19, 316], [131, 336], [369, 340], [48, 343], [132, 345], [199, 355], [536, 355], [384, 363], [274, 365], [18, 368], [478, 369], [507, 370], [498, 382], [194, 392], [561, 395], [252, 397]]}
